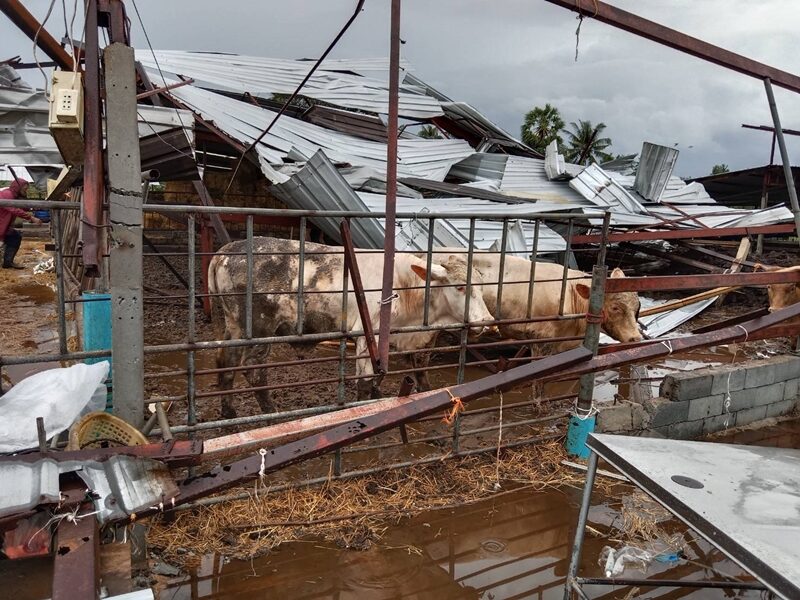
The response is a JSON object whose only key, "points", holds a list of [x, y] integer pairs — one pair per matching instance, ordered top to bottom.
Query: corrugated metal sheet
{"points": [[335, 82], [474, 123], [360, 125], [297, 140], [655, 168], [319, 186], [599, 188]]}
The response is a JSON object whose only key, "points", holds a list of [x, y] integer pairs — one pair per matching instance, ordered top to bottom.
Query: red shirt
{"points": [[9, 213]]}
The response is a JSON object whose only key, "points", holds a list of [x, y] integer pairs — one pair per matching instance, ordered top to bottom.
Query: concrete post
{"points": [[125, 233]]}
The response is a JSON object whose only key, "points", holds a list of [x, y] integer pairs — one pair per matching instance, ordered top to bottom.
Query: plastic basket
{"points": [[102, 430]]}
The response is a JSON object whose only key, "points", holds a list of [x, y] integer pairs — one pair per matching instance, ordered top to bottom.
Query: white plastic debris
{"points": [[45, 266], [60, 396], [614, 561]]}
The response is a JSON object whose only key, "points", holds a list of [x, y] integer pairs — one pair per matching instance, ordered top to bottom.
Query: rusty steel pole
{"points": [[28, 24], [787, 165], [93, 172], [391, 189]]}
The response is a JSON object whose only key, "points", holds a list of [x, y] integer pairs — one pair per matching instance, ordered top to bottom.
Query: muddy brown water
{"points": [[516, 546]]}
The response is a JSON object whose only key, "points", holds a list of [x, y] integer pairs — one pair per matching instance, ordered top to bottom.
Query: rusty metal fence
{"points": [[193, 348]]}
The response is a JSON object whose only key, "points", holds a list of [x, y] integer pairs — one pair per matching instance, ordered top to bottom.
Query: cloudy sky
{"points": [[506, 56]]}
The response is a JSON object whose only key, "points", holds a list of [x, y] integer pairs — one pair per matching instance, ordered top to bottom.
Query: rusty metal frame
{"points": [[632, 23], [30, 26], [684, 234], [696, 282]]}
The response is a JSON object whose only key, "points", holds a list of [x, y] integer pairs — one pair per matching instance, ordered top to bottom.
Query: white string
{"points": [[35, 48], [388, 300], [668, 345], [727, 401], [585, 413], [499, 441], [261, 471]]}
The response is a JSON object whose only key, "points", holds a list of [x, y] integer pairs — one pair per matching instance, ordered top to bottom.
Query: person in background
{"points": [[10, 236]]}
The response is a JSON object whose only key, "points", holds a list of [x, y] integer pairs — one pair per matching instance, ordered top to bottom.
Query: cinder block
{"points": [[785, 367], [759, 374], [731, 379], [687, 386], [790, 389], [768, 394], [743, 399], [784, 407], [700, 408], [665, 412], [751, 415], [640, 417], [615, 418], [719, 423], [686, 430]]}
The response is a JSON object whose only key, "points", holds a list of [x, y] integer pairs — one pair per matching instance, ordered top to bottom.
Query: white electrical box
{"points": [[66, 115]]}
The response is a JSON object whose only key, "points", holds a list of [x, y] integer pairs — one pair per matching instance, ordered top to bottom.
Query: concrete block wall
{"points": [[695, 403]]}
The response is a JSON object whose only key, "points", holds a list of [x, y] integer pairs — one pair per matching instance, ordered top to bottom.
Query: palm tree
{"points": [[542, 126], [430, 132], [585, 145], [720, 169]]}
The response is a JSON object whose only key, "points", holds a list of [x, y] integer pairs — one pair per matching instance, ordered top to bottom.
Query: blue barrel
{"points": [[42, 215], [97, 329]]}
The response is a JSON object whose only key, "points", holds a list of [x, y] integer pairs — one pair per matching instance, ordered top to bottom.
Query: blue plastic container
{"points": [[97, 329], [577, 433]]}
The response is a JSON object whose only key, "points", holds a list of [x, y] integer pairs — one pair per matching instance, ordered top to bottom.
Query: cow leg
{"points": [[227, 358], [419, 362], [258, 377], [365, 386]]}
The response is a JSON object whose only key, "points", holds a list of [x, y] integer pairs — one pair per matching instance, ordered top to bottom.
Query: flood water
{"points": [[513, 546]]}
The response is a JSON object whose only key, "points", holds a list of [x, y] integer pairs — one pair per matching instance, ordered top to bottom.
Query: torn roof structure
{"points": [[343, 117]]}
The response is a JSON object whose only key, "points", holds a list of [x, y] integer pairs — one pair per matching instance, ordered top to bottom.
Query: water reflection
{"points": [[515, 546]]}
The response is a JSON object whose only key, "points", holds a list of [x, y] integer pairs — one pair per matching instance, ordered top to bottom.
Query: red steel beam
{"points": [[611, 15], [29, 25], [155, 91], [771, 129], [684, 234], [699, 282], [420, 405], [176, 454], [76, 564]]}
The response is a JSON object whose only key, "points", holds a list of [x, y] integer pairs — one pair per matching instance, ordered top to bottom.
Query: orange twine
{"points": [[458, 406]]}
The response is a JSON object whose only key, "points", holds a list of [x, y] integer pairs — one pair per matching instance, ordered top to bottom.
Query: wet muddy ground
{"points": [[515, 546]]}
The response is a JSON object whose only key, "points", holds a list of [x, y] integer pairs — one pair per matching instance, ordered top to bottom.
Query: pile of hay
{"points": [[354, 513]]}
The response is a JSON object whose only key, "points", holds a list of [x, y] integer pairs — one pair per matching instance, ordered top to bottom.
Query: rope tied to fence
{"points": [[388, 300], [596, 319], [458, 406]]}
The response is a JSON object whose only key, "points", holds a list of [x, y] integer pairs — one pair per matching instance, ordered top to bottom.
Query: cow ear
{"points": [[438, 272], [617, 273], [583, 290]]}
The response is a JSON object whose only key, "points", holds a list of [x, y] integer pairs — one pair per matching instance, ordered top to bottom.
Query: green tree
{"points": [[542, 125], [430, 132], [585, 144], [720, 169]]}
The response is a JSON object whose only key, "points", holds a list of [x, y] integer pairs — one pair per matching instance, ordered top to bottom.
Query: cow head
{"points": [[449, 293], [781, 295], [620, 312]]}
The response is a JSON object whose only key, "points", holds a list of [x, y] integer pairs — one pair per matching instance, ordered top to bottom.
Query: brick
{"points": [[759, 375], [731, 379], [687, 386], [791, 389], [768, 394], [785, 407], [700, 408], [665, 412], [751, 415], [640, 417], [615, 418], [718, 423], [686, 430]]}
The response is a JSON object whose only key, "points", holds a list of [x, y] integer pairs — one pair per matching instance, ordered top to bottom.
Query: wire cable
{"points": [[35, 47], [286, 104]]}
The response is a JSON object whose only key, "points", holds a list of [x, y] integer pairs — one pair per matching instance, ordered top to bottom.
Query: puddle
{"points": [[516, 546]]}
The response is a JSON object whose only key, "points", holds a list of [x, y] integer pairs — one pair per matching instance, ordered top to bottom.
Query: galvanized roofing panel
{"points": [[334, 82], [297, 140], [655, 168], [598, 187], [26, 485]]}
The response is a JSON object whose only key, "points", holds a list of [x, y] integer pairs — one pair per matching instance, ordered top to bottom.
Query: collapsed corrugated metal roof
{"points": [[354, 84], [295, 140]]}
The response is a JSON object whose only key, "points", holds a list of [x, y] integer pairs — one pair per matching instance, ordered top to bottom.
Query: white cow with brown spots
{"points": [[276, 270]]}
